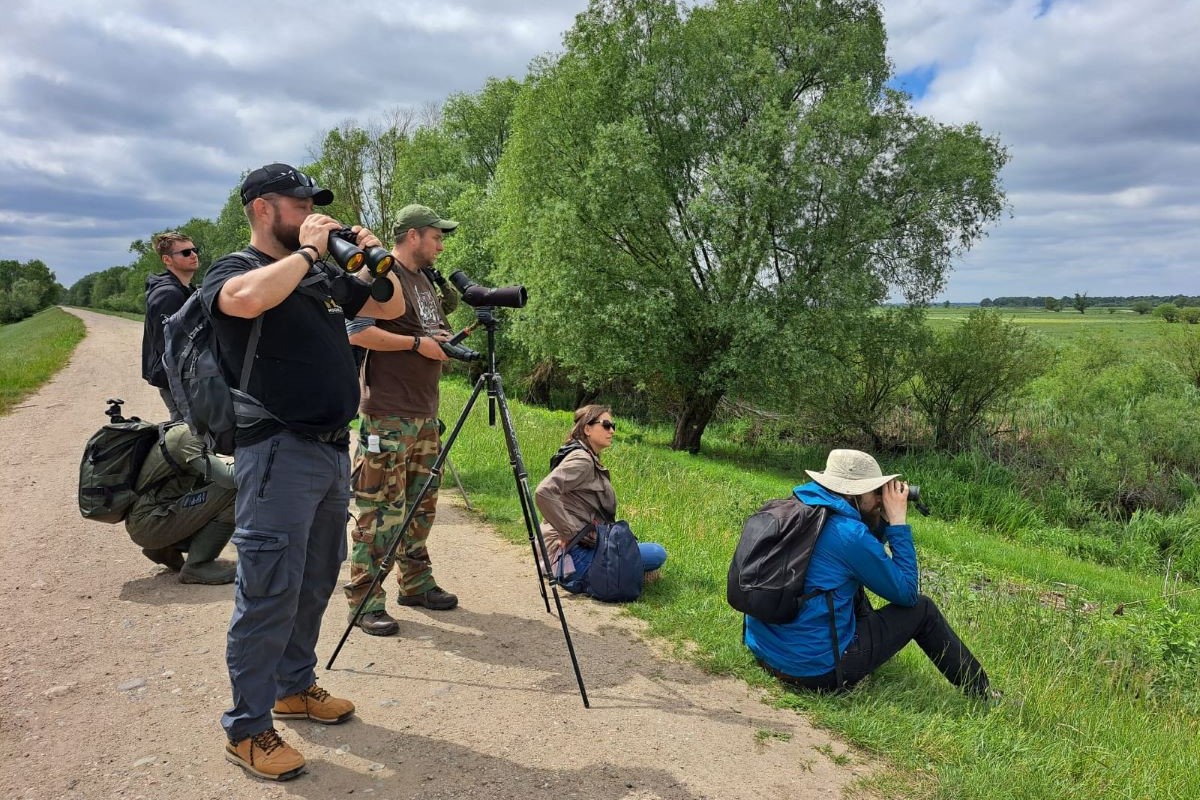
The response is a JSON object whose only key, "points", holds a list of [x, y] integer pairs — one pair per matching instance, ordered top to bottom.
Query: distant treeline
{"points": [[26, 288], [1180, 300]]}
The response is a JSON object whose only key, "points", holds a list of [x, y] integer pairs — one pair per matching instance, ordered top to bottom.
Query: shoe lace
{"points": [[317, 693], [267, 741]]}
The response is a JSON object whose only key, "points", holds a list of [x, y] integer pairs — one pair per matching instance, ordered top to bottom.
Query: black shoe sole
{"points": [[417, 600], [388, 631], [311, 718], [233, 758]]}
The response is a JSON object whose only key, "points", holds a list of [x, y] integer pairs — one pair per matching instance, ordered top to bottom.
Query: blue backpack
{"points": [[616, 572]]}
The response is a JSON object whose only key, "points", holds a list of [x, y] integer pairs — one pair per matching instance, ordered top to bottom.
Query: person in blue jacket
{"points": [[848, 556]]}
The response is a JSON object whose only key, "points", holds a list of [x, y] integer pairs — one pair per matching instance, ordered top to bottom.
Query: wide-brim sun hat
{"points": [[850, 472]]}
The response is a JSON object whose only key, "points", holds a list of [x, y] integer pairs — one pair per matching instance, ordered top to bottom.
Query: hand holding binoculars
{"points": [[343, 247]]}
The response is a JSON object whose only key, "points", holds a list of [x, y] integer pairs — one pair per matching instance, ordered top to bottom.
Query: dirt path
{"points": [[112, 675]]}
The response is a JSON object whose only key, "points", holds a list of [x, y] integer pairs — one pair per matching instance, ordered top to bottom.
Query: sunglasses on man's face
{"points": [[187, 252], [607, 424]]}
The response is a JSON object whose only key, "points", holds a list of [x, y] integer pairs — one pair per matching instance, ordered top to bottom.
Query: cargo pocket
{"points": [[262, 571]]}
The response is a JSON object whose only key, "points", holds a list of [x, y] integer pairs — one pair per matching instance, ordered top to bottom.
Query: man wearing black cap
{"points": [[281, 303], [398, 440]]}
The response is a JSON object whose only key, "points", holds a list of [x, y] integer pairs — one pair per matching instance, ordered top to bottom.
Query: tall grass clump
{"points": [[32, 350]]}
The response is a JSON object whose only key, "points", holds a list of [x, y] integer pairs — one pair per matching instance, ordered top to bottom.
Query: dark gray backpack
{"points": [[191, 358], [766, 575]]}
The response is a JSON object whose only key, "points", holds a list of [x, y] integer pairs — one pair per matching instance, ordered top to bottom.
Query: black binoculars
{"points": [[343, 246]]}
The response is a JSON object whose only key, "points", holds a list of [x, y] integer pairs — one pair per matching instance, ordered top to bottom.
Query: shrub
{"points": [[1168, 312], [974, 372]]}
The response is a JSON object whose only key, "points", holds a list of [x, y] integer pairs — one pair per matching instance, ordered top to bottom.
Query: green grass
{"points": [[1063, 326], [32, 350], [1099, 705]]}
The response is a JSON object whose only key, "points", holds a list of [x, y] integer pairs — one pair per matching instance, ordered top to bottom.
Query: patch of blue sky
{"points": [[915, 81]]}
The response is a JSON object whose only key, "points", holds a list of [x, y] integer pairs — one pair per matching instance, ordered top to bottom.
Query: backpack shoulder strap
{"points": [[255, 332]]}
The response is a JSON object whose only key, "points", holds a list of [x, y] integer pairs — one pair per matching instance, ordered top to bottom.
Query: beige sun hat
{"points": [[851, 472]]}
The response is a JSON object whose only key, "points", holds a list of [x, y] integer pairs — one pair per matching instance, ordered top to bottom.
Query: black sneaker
{"points": [[436, 599], [378, 623]]}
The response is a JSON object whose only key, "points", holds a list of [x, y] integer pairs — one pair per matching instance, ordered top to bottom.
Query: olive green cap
{"points": [[418, 216]]}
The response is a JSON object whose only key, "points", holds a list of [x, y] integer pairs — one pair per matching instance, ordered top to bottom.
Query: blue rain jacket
{"points": [[846, 556]]}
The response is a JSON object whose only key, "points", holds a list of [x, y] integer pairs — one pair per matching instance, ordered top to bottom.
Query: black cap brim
{"points": [[320, 197]]}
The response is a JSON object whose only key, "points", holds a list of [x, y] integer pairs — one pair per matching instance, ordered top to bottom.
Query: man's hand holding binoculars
{"points": [[314, 233]]}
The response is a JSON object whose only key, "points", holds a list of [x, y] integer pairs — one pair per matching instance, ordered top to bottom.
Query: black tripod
{"points": [[486, 316]]}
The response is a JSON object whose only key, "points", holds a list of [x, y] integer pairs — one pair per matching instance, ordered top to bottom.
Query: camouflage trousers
{"points": [[385, 484]]}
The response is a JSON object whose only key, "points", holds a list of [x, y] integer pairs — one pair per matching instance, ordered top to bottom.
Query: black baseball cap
{"points": [[283, 179]]}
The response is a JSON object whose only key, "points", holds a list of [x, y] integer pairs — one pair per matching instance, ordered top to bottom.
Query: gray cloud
{"points": [[1098, 104], [126, 117], [123, 118]]}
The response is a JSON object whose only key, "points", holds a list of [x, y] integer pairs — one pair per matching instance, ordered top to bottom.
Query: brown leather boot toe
{"points": [[266, 755]]}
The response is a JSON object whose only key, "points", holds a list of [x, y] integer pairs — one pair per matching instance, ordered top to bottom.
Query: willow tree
{"points": [[683, 186]]}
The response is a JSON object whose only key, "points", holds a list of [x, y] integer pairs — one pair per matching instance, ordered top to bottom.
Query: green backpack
{"points": [[112, 460]]}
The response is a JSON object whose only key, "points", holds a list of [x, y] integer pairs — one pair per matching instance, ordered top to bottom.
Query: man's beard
{"points": [[288, 237]]}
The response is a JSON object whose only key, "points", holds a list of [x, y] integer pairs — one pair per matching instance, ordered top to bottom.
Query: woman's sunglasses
{"points": [[607, 424]]}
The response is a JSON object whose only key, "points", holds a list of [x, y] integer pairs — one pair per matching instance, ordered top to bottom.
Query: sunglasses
{"points": [[291, 178], [187, 252], [608, 425]]}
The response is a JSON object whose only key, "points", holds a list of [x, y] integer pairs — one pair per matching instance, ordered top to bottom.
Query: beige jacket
{"points": [[576, 492]]}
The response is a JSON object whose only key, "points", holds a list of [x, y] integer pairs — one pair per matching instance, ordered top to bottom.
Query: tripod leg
{"points": [[458, 482], [537, 543], [385, 566]]}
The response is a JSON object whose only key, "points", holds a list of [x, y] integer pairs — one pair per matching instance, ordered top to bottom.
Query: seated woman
{"points": [[578, 492], [848, 555]]}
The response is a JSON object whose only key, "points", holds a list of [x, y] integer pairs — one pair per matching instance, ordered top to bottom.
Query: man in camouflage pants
{"points": [[398, 439]]}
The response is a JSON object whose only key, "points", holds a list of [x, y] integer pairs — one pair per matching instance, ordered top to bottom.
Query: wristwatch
{"points": [[416, 342]]}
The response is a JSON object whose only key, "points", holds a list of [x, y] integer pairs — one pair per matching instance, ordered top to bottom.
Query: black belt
{"points": [[339, 436]]}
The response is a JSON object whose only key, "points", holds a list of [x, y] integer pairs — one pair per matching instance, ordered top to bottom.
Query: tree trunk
{"points": [[541, 380], [585, 396], [697, 413]]}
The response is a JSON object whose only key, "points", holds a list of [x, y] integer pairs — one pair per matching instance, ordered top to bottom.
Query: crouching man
{"points": [[185, 518], [816, 652]]}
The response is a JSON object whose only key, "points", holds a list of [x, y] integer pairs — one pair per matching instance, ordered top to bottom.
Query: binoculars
{"points": [[343, 247]]}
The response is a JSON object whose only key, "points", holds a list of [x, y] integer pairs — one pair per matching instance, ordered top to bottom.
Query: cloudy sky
{"points": [[122, 118]]}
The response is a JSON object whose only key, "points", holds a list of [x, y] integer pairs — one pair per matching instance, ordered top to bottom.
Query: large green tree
{"points": [[683, 187]]}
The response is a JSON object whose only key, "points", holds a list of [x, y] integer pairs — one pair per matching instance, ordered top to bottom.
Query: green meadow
{"points": [[1068, 325]]}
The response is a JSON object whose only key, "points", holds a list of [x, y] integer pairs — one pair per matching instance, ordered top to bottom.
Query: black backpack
{"points": [[191, 358], [567, 448], [113, 459], [766, 575]]}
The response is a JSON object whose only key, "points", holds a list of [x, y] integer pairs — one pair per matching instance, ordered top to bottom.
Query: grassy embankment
{"points": [[32, 350], [1098, 705]]}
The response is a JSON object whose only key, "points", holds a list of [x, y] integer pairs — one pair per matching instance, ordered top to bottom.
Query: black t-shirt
{"points": [[165, 294], [303, 369]]}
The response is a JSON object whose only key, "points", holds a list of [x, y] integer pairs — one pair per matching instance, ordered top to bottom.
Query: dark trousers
{"points": [[292, 506], [883, 633]]}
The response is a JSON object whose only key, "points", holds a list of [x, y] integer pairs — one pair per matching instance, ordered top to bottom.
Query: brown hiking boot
{"points": [[436, 599], [316, 704], [266, 755]]}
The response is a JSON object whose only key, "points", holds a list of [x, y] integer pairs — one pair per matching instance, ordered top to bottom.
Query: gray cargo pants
{"points": [[292, 507]]}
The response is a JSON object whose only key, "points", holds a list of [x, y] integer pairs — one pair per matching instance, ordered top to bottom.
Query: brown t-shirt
{"points": [[404, 383]]}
